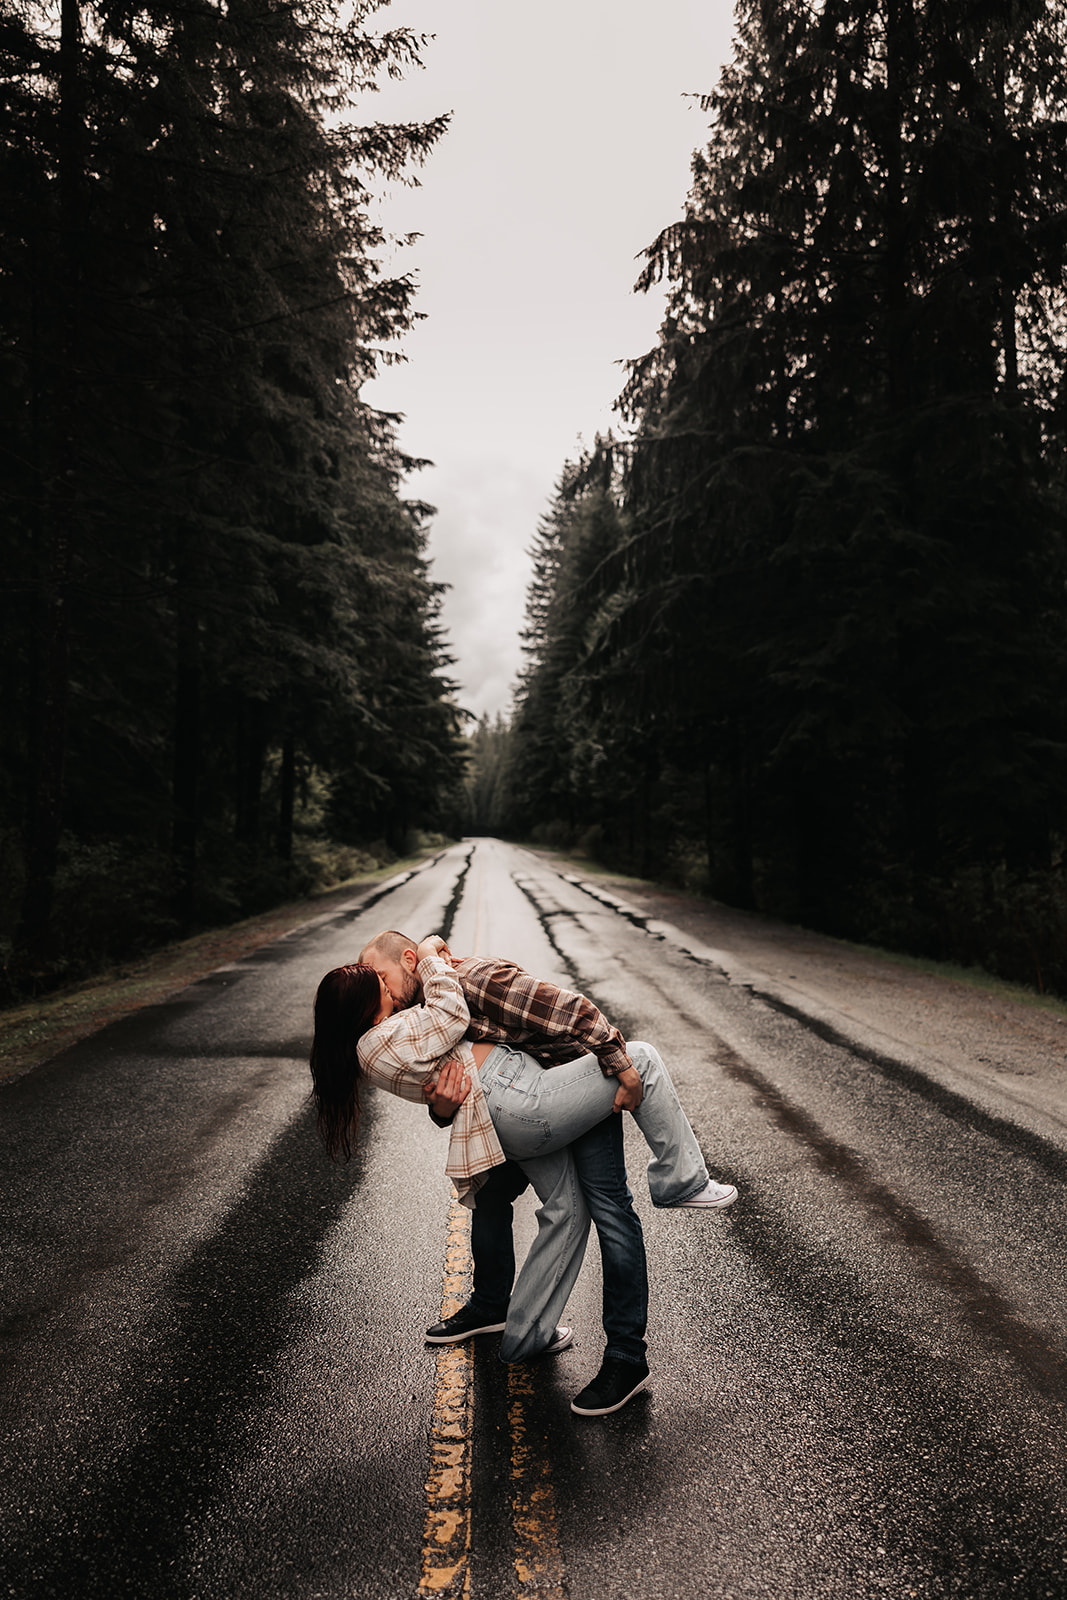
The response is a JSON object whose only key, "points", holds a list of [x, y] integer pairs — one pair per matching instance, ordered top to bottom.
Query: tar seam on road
{"points": [[523, 885], [452, 907], [1040, 1150], [1043, 1152], [1043, 1363], [447, 1544]]}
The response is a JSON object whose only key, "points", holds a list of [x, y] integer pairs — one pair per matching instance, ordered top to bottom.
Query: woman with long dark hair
{"points": [[513, 1108]]}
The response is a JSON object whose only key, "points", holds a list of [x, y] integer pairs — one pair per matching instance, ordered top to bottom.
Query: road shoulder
{"points": [[36, 1031], [970, 1032]]}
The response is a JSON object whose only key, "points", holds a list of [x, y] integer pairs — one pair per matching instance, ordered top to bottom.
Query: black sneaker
{"points": [[463, 1324], [615, 1383]]}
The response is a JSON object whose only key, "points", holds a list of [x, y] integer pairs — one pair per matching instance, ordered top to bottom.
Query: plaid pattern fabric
{"points": [[508, 1006], [407, 1051]]}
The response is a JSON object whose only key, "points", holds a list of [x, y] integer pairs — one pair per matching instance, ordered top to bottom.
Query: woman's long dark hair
{"points": [[347, 1002]]}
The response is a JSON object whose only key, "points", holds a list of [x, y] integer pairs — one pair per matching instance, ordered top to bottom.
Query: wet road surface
{"points": [[214, 1380]]}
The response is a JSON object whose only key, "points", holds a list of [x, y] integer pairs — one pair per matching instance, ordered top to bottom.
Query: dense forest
{"points": [[798, 635], [221, 652]]}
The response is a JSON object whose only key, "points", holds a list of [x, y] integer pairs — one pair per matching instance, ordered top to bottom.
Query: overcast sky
{"points": [[569, 151]]}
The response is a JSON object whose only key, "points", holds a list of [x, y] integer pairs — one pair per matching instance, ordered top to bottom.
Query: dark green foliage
{"points": [[212, 590], [829, 645], [485, 801]]}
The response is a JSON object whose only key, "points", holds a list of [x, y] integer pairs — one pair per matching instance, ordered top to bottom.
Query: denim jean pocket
{"points": [[507, 1065], [521, 1135]]}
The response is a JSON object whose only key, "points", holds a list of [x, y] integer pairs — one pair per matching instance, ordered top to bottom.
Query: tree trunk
{"points": [[899, 42], [1002, 223], [251, 760], [186, 772], [287, 798], [741, 821], [810, 865], [35, 936], [35, 941]]}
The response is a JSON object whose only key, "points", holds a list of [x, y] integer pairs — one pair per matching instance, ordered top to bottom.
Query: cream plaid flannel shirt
{"points": [[408, 1050]]}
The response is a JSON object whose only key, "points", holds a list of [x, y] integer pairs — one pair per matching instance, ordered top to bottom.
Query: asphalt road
{"points": [[214, 1379]]}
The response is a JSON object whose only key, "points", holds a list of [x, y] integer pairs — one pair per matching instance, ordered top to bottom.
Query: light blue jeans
{"points": [[537, 1111]]}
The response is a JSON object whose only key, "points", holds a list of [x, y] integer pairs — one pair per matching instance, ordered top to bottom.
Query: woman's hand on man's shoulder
{"points": [[434, 945]]}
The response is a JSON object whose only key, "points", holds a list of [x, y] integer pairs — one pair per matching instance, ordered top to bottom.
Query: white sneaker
{"points": [[712, 1195], [564, 1337]]}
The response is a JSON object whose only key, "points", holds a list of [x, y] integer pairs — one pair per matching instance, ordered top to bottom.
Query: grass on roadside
{"points": [[36, 1030]]}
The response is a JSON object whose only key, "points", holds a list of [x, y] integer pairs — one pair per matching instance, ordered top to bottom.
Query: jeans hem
{"points": [[668, 1205], [490, 1312]]}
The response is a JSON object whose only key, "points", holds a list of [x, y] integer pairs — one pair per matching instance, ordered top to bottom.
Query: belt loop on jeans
{"points": [[487, 1072]]}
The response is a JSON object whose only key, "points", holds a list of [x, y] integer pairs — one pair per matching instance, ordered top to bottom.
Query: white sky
{"points": [[569, 151]]}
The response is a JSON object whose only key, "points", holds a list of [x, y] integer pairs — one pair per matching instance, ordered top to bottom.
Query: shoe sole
{"points": [[705, 1205], [458, 1338], [557, 1345], [605, 1411]]}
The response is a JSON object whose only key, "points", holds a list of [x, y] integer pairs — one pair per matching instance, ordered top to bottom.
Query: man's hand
{"points": [[434, 945], [631, 1090], [449, 1092]]}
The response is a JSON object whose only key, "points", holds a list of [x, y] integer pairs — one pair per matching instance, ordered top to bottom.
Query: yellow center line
{"points": [[447, 1542], [446, 1554]]}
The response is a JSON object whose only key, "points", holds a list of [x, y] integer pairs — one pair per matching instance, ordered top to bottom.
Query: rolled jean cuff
{"points": [[635, 1360]]}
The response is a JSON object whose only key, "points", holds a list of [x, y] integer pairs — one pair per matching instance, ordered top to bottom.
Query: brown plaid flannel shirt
{"points": [[483, 999], [508, 1006]]}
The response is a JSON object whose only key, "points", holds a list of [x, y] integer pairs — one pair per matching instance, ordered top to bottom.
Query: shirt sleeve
{"points": [[523, 1007], [402, 1053]]}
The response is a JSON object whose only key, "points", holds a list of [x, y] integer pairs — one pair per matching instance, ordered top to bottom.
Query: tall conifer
{"points": [[843, 484], [228, 487]]}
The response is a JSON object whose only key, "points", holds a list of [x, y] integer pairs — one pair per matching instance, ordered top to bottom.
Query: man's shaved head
{"points": [[390, 944], [393, 956]]}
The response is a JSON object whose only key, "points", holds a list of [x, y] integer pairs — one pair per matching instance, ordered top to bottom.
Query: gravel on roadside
{"points": [[963, 1020], [34, 1031]]}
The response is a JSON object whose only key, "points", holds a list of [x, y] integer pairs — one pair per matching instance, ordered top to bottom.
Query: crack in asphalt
{"points": [[457, 895], [351, 913], [544, 920], [1043, 1152]]}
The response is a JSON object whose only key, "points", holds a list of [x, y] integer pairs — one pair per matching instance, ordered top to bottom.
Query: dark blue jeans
{"points": [[598, 1156]]}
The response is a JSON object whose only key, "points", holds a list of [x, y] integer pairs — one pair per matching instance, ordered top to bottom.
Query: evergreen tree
{"points": [[204, 515], [842, 584], [564, 766], [486, 809]]}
